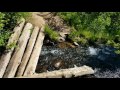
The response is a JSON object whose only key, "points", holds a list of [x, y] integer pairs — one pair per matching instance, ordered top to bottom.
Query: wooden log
{"points": [[28, 52], [17, 56], [4, 60], [30, 69], [85, 70], [67, 73]]}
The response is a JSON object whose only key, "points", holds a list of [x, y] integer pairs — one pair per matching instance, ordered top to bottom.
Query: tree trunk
{"points": [[19, 51], [28, 52], [5, 58], [30, 69], [67, 73]]}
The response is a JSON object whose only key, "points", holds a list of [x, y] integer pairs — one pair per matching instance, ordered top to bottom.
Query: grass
{"points": [[8, 21], [51, 33], [10, 46]]}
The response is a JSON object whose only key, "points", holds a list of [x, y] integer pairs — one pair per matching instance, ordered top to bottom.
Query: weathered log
{"points": [[28, 52], [17, 56], [4, 60], [30, 69], [67, 73]]}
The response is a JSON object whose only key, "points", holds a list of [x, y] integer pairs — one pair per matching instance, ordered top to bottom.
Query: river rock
{"points": [[61, 39], [75, 43], [58, 63]]}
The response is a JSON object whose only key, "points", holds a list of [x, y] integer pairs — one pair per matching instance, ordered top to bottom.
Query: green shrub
{"points": [[2, 20], [8, 21], [94, 26], [51, 33], [74, 34], [88, 34], [83, 41], [117, 51]]}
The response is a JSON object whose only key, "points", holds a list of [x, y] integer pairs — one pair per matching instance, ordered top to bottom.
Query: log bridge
{"points": [[21, 61]]}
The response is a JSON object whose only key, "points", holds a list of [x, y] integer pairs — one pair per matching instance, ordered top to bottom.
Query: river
{"points": [[102, 59]]}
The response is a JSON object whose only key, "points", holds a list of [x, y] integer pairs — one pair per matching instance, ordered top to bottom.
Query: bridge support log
{"points": [[19, 51], [28, 52], [5, 58], [30, 69]]}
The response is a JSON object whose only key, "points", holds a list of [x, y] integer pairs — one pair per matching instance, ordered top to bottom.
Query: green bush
{"points": [[2, 20], [8, 21], [94, 25], [74, 34], [83, 41]]}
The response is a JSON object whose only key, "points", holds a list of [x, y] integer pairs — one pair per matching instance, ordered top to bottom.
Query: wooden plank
{"points": [[28, 52], [17, 56], [4, 60], [30, 69], [67, 73]]}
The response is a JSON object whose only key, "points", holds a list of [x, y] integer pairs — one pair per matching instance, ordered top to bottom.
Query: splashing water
{"points": [[92, 51]]}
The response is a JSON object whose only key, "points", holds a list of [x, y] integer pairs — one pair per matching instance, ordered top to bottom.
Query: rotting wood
{"points": [[19, 51], [28, 52], [5, 58], [30, 69], [67, 73]]}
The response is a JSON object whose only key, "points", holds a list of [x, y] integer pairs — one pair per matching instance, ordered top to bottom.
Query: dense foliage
{"points": [[8, 21], [88, 27], [100, 27]]}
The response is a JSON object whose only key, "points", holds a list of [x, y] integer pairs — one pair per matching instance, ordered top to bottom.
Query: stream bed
{"points": [[102, 59]]}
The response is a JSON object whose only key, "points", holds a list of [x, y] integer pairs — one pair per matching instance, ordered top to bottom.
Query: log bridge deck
{"points": [[21, 61]]}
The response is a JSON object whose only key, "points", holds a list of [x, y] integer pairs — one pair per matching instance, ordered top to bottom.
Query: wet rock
{"points": [[63, 34], [61, 39], [48, 42], [75, 43], [58, 63], [41, 68]]}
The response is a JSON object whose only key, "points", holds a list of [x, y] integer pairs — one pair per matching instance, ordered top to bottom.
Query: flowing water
{"points": [[102, 59]]}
